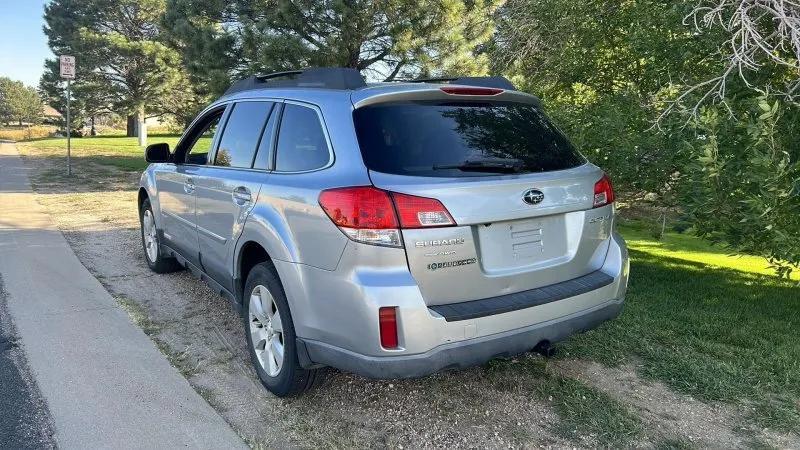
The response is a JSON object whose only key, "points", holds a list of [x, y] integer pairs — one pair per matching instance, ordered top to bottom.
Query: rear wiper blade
{"points": [[485, 165]]}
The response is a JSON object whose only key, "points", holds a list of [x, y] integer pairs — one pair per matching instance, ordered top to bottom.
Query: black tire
{"points": [[162, 263], [292, 379]]}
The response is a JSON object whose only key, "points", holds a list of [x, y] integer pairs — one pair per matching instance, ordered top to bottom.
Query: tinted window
{"points": [[242, 132], [461, 139], [301, 141], [265, 146], [198, 151]]}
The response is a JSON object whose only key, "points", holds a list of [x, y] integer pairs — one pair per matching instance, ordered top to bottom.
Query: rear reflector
{"points": [[458, 90], [603, 192], [374, 216], [387, 321]]}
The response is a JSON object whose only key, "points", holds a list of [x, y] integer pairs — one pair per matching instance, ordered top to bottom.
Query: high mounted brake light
{"points": [[459, 90], [603, 192], [374, 216]]}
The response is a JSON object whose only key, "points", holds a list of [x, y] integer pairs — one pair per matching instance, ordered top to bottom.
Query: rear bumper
{"points": [[336, 315], [461, 354]]}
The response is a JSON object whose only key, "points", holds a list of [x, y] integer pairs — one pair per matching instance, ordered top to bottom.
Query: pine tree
{"points": [[384, 39], [123, 63]]}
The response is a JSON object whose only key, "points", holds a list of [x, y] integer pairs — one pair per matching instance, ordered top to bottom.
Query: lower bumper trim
{"points": [[525, 299], [462, 354]]}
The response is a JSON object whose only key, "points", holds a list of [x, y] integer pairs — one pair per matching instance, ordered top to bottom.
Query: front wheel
{"points": [[155, 258], [271, 337]]}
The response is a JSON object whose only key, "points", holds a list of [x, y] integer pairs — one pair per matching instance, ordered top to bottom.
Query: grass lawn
{"points": [[118, 151], [707, 324]]}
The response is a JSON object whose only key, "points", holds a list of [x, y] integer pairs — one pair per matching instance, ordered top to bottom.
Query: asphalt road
{"points": [[24, 420]]}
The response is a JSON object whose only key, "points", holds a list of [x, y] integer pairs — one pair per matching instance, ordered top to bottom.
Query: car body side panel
{"points": [[148, 182], [177, 207], [221, 216], [287, 220]]}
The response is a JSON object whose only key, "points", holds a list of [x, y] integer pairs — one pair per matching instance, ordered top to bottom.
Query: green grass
{"points": [[118, 151], [689, 248], [708, 325]]}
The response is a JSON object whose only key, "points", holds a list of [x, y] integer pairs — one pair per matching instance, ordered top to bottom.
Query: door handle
{"points": [[189, 186], [241, 196]]}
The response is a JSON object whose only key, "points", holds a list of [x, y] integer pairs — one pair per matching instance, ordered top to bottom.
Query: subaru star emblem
{"points": [[533, 196]]}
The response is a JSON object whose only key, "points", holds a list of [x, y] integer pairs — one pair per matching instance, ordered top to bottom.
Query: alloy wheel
{"points": [[266, 330]]}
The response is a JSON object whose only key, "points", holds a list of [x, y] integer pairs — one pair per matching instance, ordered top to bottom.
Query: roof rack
{"points": [[316, 77], [493, 82]]}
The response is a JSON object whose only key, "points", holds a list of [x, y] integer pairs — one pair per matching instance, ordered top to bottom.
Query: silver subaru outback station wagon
{"points": [[389, 229]]}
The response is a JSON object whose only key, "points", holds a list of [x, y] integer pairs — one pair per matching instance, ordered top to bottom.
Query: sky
{"points": [[23, 45]]}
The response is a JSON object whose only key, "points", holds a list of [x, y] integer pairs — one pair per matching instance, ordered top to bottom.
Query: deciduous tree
{"points": [[19, 103]]}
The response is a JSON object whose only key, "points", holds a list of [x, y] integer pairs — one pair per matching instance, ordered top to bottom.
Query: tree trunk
{"points": [[131, 127], [142, 127], [93, 132]]}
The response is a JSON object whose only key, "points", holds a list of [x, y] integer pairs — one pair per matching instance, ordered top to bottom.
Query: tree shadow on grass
{"points": [[716, 334]]}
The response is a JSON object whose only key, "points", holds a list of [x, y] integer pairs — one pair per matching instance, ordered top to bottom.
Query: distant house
{"points": [[51, 115]]}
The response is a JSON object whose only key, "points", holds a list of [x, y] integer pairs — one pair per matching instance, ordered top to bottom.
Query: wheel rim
{"points": [[149, 233], [266, 330]]}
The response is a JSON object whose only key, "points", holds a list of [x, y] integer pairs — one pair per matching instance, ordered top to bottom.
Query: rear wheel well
{"points": [[252, 253]]}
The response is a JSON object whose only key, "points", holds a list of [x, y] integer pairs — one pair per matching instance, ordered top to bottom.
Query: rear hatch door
{"points": [[520, 194]]}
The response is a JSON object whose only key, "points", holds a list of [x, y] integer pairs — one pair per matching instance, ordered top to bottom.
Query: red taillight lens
{"points": [[458, 90], [603, 192], [359, 207], [421, 212], [370, 215], [387, 321]]}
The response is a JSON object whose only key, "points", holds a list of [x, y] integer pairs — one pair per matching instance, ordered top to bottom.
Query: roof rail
{"points": [[317, 77], [493, 81]]}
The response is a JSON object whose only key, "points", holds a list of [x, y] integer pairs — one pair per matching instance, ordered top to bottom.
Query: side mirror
{"points": [[157, 153]]}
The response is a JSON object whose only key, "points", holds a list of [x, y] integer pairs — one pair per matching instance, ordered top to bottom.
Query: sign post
{"points": [[67, 64]]}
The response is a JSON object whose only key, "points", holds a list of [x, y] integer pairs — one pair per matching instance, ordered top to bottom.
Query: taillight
{"points": [[459, 90], [603, 192], [421, 212], [364, 214], [370, 215], [387, 322]]}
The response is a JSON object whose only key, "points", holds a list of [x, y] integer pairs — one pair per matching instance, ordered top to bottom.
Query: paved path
{"points": [[105, 383]]}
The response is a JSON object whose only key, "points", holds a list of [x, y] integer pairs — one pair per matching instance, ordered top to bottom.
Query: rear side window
{"points": [[241, 135], [461, 139], [301, 141]]}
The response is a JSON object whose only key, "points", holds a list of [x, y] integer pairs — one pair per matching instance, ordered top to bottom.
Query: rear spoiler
{"points": [[489, 82], [411, 92]]}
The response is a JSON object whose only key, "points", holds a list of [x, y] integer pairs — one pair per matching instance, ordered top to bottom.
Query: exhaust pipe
{"points": [[545, 349]]}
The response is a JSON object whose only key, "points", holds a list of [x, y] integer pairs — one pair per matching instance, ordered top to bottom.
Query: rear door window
{"points": [[242, 132], [461, 139], [301, 141]]}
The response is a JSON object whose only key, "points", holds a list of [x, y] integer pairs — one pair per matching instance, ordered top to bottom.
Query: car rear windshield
{"points": [[461, 139]]}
